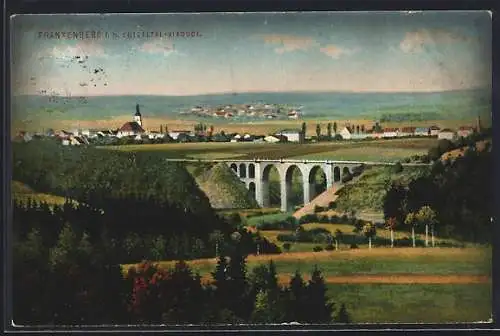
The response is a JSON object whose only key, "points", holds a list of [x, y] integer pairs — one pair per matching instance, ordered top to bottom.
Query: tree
{"points": [[335, 127], [161, 128], [362, 128], [357, 129], [304, 130], [329, 130], [318, 131], [398, 168], [395, 202], [427, 217], [412, 222], [391, 224], [369, 231], [338, 237], [216, 238], [287, 246], [297, 300], [318, 309], [342, 316]]}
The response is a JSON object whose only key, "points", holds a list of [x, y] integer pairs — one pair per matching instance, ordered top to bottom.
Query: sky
{"points": [[252, 52]]}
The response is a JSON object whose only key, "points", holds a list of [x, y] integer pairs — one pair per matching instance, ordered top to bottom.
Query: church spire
{"points": [[137, 115]]}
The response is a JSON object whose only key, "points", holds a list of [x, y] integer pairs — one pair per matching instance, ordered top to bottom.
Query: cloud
{"points": [[415, 41], [288, 43], [158, 47], [82, 48], [335, 52]]}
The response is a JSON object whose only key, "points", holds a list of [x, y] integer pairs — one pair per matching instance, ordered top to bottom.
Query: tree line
{"points": [[454, 200], [75, 281]]}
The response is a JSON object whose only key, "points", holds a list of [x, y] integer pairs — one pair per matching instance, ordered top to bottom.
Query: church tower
{"points": [[137, 115]]}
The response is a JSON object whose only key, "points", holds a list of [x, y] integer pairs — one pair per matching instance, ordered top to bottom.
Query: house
{"points": [[293, 115], [131, 128], [434, 130], [407, 131], [422, 131], [465, 131], [390, 132], [90, 133], [346, 133], [447, 133], [175, 134], [155, 135], [292, 135], [374, 135], [359, 136], [23, 137], [248, 137], [259, 139], [272, 139], [75, 140]]}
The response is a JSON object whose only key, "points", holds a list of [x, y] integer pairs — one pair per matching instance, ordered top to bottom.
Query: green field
{"points": [[388, 150], [426, 261], [415, 303]]}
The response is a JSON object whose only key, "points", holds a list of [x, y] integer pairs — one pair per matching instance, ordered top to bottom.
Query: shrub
{"points": [[332, 205], [308, 218], [323, 219], [334, 219], [286, 237], [287, 246], [354, 246], [329, 247], [317, 248]]}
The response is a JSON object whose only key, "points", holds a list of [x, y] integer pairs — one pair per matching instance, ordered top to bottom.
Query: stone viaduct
{"points": [[255, 174]]}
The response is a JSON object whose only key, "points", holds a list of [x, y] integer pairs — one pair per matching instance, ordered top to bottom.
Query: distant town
{"points": [[253, 111], [134, 132]]}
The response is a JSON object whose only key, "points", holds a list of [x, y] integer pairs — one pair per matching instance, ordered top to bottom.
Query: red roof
{"points": [[131, 126], [466, 128], [390, 129], [408, 129]]}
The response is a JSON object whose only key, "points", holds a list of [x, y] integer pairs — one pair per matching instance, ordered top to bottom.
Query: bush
{"points": [[398, 168], [332, 205], [318, 208], [308, 218], [286, 237], [287, 246], [353, 246], [329, 247], [317, 248]]}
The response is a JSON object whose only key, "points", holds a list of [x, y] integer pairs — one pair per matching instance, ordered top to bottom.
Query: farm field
{"points": [[389, 150], [377, 261]]}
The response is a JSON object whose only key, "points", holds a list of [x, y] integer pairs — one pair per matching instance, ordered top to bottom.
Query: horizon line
{"points": [[258, 92]]}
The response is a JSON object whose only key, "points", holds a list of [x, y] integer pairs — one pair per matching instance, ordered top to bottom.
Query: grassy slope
{"points": [[224, 189], [369, 191], [22, 192], [439, 261]]}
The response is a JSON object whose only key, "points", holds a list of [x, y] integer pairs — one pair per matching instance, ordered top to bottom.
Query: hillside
{"points": [[224, 190], [22, 193], [368, 193]]}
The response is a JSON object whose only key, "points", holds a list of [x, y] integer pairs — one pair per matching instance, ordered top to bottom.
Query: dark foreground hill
{"points": [[224, 189]]}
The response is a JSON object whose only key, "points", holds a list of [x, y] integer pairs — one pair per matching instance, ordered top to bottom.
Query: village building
{"points": [[132, 128], [434, 130], [407, 131], [422, 131], [465, 131], [391, 132], [346, 133], [447, 133], [175, 134], [292, 135], [272, 139]]}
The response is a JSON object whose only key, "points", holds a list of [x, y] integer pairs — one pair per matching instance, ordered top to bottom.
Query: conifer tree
{"points": [[319, 310]]}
